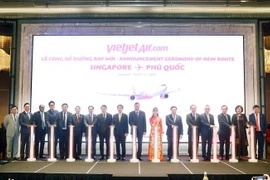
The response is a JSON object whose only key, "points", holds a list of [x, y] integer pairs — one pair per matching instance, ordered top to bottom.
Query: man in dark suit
{"points": [[137, 118], [39, 119], [91, 120], [104, 120], [173, 120], [192, 120], [258, 120], [63, 121], [120, 121], [25, 122], [52, 122], [78, 123], [207, 123], [224, 132], [12, 133]]}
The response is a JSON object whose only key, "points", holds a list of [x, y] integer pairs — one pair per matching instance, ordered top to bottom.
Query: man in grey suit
{"points": [[137, 118], [91, 120], [173, 120], [25, 122], [12, 128]]}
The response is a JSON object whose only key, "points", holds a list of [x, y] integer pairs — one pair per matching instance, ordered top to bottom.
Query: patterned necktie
{"points": [[14, 116], [119, 117], [91, 118], [208, 118]]}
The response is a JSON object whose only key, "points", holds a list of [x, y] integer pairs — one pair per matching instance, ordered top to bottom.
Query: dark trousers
{"points": [[102, 137], [39, 138], [140, 138], [56, 139], [120, 139], [224, 139], [208, 140], [260, 141], [94, 142], [63, 143], [25, 144], [190, 144], [77, 145], [170, 146]]}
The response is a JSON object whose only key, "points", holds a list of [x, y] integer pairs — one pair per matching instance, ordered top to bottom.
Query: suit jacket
{"points": [[52, 117], [37, 120], [24, 121], [89, 121], [139, 121], [191, 121], [60, 122], [170, 122], [263, 123], [104, 124], [78, 126], [224, 126], [12, 127], [121, 128], [205, 128]]}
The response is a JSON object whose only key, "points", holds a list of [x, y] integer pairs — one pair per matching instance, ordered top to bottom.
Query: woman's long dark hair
{"points": [[154, 109]]}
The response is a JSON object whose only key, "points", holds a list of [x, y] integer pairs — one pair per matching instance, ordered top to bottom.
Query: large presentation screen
{"points": [[156, 71]]}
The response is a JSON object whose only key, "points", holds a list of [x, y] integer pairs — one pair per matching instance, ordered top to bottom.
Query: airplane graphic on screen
{"points": [[160, 91]]}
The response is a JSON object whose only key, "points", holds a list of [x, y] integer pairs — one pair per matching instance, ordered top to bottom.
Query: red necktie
{"points": [[257, 123]]}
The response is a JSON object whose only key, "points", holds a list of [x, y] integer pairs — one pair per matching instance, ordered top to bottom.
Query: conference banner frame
{"points": [[247, 29]]}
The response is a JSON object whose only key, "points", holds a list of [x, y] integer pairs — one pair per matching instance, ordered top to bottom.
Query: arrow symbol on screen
{"points": [[138, 67]]}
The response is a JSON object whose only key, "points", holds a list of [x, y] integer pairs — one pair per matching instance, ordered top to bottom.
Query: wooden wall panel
{"points": [[4, 94]]}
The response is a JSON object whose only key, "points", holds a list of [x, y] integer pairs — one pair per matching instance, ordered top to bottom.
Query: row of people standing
{"points": [[205, 122], [100, 126]]}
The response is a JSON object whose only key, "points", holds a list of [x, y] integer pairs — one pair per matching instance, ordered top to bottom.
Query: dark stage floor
{"points": [[141, 169]]}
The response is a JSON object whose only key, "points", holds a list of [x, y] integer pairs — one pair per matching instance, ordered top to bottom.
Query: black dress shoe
{"points": [[42, 157], [94, 157], [78, 158], [102, 158], [118, 158], [123, 158], [221, 158], [227, 158], [140, 159], [168, 159]]}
